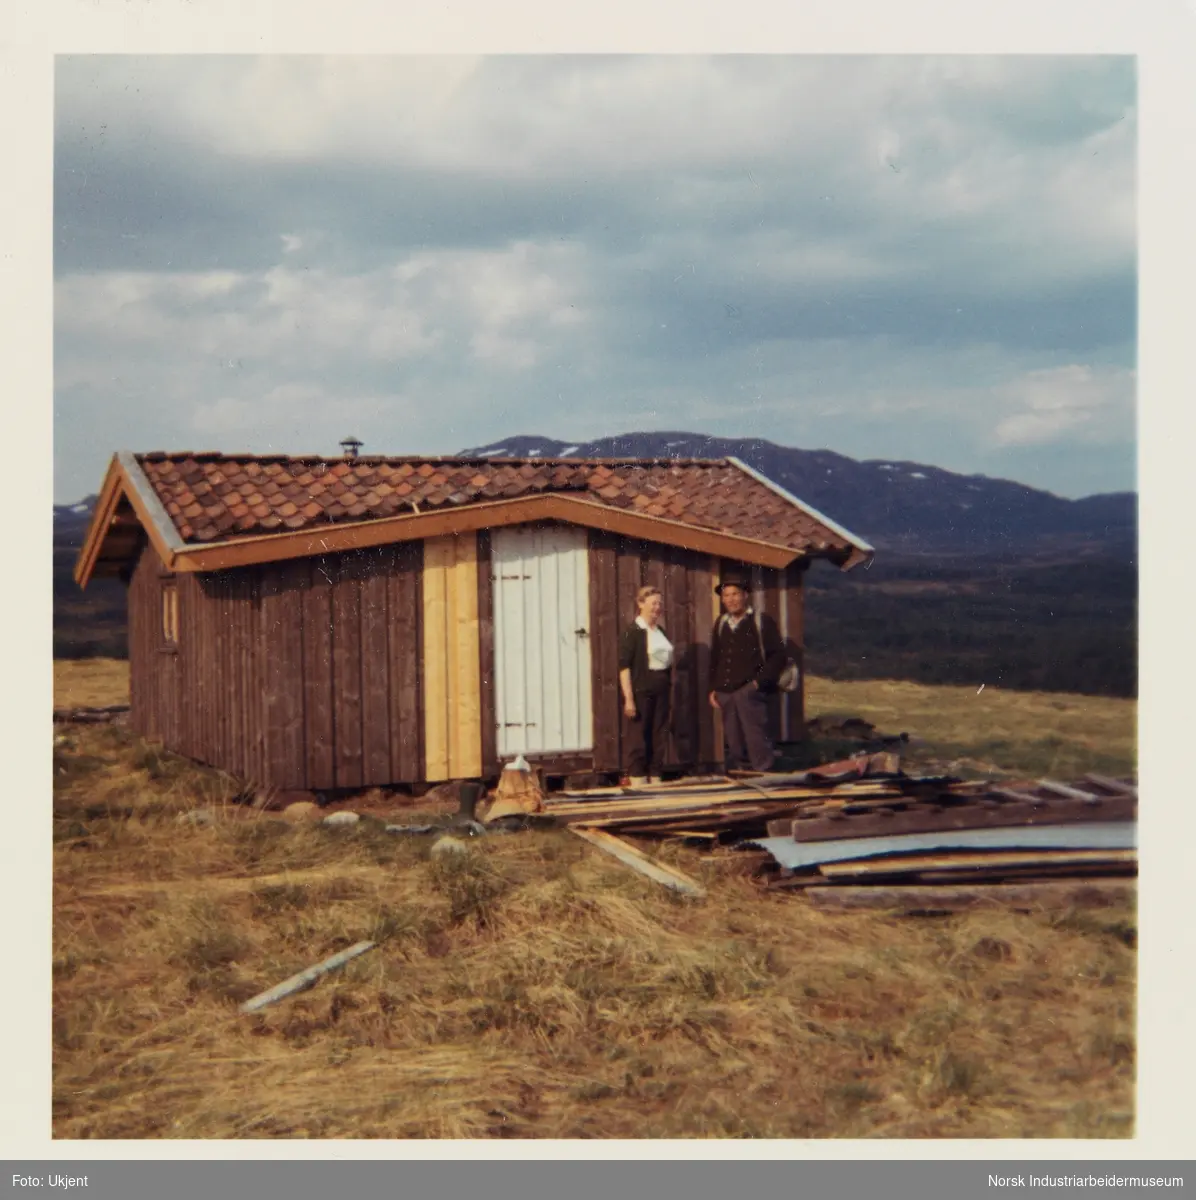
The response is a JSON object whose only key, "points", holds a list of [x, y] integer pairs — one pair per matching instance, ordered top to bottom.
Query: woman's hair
{"points": [[643, 594]]}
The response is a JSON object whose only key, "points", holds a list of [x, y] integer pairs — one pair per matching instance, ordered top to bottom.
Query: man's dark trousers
{"points": [[745, 727]]}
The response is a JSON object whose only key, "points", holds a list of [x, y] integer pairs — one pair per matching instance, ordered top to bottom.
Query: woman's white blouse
{"points": [[660, 649]]}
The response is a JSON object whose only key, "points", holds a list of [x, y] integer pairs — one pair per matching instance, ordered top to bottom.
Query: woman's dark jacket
{"points": [[633, 654]]}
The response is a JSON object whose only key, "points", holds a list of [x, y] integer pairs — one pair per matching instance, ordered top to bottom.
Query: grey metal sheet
{"points": [[145, 491], [1095, 835]]}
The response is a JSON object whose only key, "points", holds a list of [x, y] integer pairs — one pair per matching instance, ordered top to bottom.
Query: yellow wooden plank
{"points": [[437, 554], [451, 696], [465, 757]]}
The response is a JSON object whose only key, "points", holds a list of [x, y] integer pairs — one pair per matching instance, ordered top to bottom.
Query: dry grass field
{"points": [[534, 988]]}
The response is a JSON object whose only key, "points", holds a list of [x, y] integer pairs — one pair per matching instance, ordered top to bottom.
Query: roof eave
{"points": [[361, 535], [860, 551]]}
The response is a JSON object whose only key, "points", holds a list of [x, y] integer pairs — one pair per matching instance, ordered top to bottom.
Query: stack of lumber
{"points": [[737, 808], [859, 833], [994, 837]]}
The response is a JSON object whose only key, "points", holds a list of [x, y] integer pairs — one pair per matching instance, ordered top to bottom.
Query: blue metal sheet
{"points": [[1095, 835]]}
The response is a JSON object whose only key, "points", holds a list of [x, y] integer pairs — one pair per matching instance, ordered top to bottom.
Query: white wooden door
{"points": [[541, 589]]}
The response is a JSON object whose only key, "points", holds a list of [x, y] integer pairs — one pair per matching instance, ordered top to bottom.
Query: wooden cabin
{"points": [[339, 623]]}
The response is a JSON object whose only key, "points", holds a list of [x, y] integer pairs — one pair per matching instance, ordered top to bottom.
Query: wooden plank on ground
{"points": [[318, 728], [1117, 786], [1068, 793], [882, 822], [980, 859], [637, 860], [1011, 874], [1025, 896], [304, 979]]}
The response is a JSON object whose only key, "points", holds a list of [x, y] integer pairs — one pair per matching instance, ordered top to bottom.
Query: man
{"points": [[742, 676]]}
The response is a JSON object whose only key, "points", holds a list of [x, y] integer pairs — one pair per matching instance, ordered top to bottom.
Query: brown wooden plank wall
{"points": [[618, 568], [405, 598], [605, 627], [795, 637], [300, 675], [488, 706], [318, 733]]}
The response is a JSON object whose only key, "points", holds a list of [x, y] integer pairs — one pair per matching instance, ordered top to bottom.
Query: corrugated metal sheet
{"points": [[1102, 835]]}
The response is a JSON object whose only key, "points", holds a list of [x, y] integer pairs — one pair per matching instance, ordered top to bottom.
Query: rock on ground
{"points": [[301, 810], [197, 816], [342, 818], [448, 846]]}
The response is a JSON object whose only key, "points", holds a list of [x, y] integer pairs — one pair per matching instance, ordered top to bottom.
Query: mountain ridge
{"points": [[892, 503], [895, 504]]}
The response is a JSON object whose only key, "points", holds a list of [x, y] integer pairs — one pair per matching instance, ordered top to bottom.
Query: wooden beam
{"points": [[119, 485], [469, 518], [101, 519], [1117, 786], [1068, 793], [935, 819], [978, 859], [637, 860], [947, 898], [304, 979]]}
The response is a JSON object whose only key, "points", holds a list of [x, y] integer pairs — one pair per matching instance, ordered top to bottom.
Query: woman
{"points": [[645, 675]]}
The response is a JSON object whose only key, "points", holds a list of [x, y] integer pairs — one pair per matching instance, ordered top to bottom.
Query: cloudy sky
{"points": [[921, 258]]}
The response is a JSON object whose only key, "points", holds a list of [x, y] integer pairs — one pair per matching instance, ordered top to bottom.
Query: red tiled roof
{"points": [[214, 497]]}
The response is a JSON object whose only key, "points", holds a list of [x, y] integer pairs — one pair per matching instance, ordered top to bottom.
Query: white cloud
{"points": [[845, 252], [511, 305], [1076, 402]]}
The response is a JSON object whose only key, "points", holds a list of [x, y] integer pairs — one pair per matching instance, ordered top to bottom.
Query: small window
{"points": [[170, 614]]}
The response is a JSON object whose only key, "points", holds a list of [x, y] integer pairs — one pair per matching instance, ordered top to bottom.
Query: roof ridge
{"points": [[626, 459]]}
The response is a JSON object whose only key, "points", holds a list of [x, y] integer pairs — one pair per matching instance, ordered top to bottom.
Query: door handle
{"points": [[582, 632]]}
